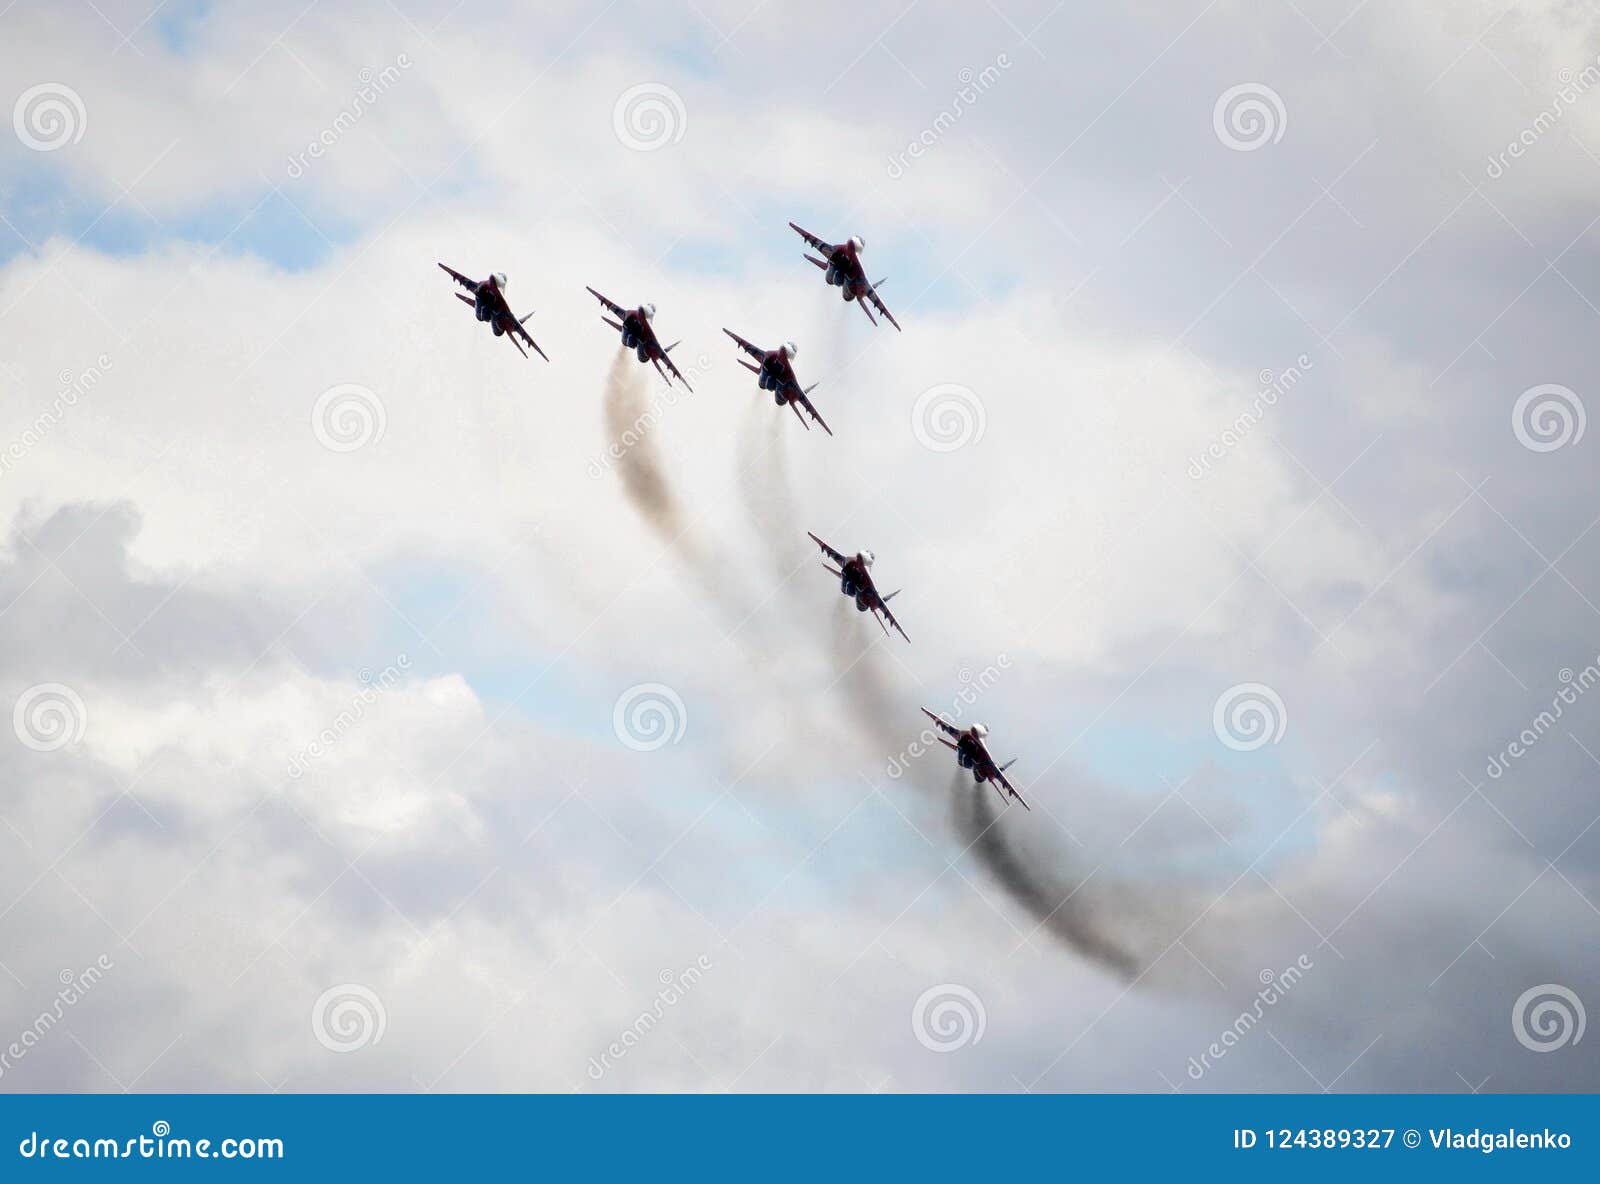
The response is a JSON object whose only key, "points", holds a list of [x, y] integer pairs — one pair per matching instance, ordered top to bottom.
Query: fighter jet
{"points": [[841, 264], [488, 302], [639, 336], [775, 373], [855, 581], [972, 754]]}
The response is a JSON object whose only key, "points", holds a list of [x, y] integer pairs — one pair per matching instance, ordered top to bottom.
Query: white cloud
{"points": [[478, 852]]}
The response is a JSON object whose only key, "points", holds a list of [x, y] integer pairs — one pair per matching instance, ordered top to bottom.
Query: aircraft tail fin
{"points": [[814, 259], [880, 283], [612, 323], [672, 347], [892, 595]]}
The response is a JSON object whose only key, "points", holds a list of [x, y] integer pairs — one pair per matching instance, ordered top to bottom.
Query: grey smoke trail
{"points": [[644, 476], [767, 489], [872, 699], [1041, 882], [1072, 919]]}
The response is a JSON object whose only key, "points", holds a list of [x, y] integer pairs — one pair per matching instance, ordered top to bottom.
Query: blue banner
{"points": [[799, 1138]]}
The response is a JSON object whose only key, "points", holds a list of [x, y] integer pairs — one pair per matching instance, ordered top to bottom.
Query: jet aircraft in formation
{"points": [[774, 370]]}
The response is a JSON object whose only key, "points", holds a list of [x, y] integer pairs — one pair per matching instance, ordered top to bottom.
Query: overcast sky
{"points": [[368, 735]]}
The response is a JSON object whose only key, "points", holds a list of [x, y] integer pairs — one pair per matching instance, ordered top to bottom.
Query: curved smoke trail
{"points": [[629, 421], [1040, 883], [1075, 921]]}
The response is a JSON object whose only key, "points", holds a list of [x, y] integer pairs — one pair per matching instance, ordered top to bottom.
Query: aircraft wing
{"points": [[811, 239], [470, 284], [872, 294], [616, 309], [517, 330], [755, 351], [665, 356], [799, 397], [828, 551], [884, 609], [950, 728], [1000, 776]]}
